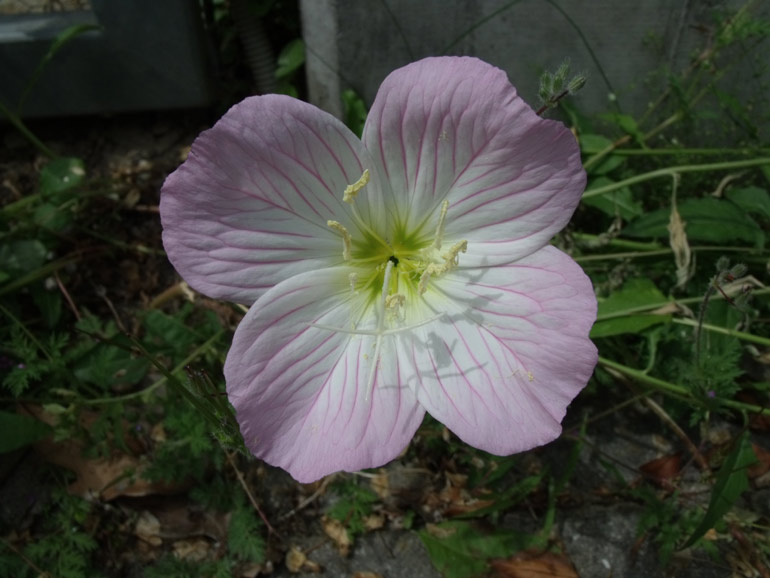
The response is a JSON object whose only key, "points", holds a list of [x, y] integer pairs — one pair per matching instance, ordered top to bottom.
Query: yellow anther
{"points": [[352, 190], [346, 238], [452, 256], [451, 260], [430, 271], [393, 302]]}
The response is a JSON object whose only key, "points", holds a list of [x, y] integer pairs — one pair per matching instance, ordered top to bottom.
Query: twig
{"points": [[66, 294], [661, 413], [310, 499], [253, 501]]}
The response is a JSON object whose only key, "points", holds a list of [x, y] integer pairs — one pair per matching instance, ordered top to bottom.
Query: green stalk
{"points": [[668, 171], [672, 388]]}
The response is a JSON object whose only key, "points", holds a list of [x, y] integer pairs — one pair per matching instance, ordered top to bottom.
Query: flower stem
{"points": [[668, 171], [674, 389]]}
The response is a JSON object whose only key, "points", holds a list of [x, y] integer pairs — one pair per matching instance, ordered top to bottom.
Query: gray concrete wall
{"points": [[620, 45]]}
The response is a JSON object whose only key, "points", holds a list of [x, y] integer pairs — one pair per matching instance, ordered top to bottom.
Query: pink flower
{"points": [[410, 272]]}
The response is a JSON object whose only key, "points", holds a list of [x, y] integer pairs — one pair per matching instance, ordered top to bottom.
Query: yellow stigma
{"points": [[352, 190]]}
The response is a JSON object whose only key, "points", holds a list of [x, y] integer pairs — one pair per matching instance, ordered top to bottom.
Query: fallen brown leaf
{"points": [[664, 469], [337, 532], [296, 561], [533, 564]]}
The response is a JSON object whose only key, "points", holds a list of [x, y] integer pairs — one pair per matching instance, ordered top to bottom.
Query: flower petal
{"points": [[454, 128], [250, 205], [511, 353], [299, 391]]}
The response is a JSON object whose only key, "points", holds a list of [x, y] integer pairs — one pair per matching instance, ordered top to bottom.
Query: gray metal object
{"points": [[625, 48], [146, 55]]}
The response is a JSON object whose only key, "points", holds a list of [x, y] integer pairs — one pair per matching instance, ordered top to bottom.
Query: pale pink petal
{"points": [[454, 128], [250, 205], [511, 353], [300, 392]]}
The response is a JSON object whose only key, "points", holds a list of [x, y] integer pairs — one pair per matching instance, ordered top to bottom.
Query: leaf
{"points": [[291, 58], [590, 144], [61, 175], [753, 200], [619, 202], [708, 220], [22, 256], [620, 309], [107, 366], [17, 431], [731, 482], [461, 550], [534, 564]]}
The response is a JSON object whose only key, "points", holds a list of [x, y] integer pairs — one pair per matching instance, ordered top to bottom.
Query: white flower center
{"points": [[394, 272]]}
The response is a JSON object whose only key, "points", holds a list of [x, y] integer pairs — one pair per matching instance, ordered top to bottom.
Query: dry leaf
{"points": [[762, 466], [663, 470], [98, 478], [381, 484], [147, 528], [337, 532], [439, 532], [193, 550], [296, 562], [531, 564], [367, 575]]}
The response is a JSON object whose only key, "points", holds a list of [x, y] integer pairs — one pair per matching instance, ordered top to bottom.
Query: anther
{"points": [[352, 190], [346, 238]]}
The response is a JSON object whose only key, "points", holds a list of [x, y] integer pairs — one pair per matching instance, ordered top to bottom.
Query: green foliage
{"points": [[354, 111], [708, 220], [18, 430], [731, 482], [353, 505], [244, 535], [65, 549], [461, 549]]}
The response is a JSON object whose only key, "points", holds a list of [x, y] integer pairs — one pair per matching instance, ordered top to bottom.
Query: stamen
{"points": [[352, 190], [439, 236], [346, 238], [452, 257], [451, 260], [353, 278]]}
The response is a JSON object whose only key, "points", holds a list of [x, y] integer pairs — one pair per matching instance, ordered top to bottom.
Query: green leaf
{"points": [[292, 57], [626, 123], [590, 144], [61, 175], [753, 200], [619, 202], [52, 218], [708, 220], [22, 256], [619, 313], [107, 366], [17, 431], [731, 482], [244, 535], [461, 550]]}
